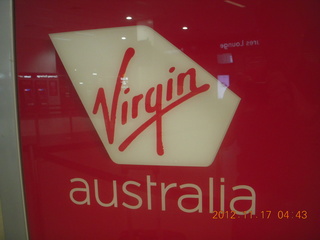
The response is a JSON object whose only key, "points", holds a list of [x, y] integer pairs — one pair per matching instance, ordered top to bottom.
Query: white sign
{"points": [[149, 103]]}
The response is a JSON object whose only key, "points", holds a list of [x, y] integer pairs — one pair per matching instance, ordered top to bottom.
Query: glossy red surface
{"points": [[271, 52]]}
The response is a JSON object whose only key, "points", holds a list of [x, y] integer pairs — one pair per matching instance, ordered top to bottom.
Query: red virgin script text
{"points": [[155, 93]]}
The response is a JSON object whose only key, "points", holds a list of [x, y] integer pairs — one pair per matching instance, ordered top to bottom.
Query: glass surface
{"points": [[262, 180]]}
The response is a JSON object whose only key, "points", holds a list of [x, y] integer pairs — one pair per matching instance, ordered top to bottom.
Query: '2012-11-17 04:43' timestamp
{"points": [[268, 214]]}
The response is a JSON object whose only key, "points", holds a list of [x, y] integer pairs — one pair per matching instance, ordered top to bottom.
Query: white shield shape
{"points": [[149, 103]]}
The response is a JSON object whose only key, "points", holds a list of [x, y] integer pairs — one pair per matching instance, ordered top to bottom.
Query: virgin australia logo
{"points": [[149, 103]]}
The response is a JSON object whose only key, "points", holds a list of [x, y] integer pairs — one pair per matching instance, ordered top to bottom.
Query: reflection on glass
{"points": [[235, 3], [225, 58], [223, 84]]}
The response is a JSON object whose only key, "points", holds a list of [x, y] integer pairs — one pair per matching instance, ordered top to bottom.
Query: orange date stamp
{"points": [[268, 214]]}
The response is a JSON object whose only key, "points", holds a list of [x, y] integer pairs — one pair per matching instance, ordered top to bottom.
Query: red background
{"points": [[272, 144]]}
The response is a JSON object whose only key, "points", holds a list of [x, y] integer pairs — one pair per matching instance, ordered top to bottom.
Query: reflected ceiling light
{"points": [[234, 3], [129, 18], [185, 28], [123, 38], [94, 74]]}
